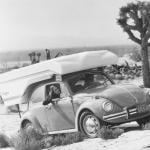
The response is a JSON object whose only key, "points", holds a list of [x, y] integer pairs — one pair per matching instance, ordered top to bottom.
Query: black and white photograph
{"points": [[74, 74]]}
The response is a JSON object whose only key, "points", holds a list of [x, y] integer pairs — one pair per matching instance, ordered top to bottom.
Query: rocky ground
{"points": [[133, 140]]}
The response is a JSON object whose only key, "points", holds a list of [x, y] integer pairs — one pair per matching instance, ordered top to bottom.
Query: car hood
{"points": [[124, 95]]}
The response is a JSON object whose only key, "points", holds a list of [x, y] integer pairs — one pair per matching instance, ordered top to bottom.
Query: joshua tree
{"points": [[134, 18], [30, 55], [34, 57], [38, 59]]}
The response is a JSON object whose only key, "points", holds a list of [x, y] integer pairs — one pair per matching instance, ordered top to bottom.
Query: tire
{"points": [[143, 122], [89, 124], [30, 132]]}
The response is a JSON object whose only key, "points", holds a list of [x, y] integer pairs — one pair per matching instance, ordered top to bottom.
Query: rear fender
{"points": [[31, 118]]}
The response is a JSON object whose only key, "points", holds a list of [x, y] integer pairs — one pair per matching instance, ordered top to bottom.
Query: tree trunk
{"points": [[145, 65]]}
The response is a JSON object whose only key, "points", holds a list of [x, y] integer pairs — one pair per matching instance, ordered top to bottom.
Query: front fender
{"points": [[95, 106]]}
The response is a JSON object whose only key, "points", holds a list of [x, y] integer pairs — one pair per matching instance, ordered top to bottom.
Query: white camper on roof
{"points": [[13, 84]]}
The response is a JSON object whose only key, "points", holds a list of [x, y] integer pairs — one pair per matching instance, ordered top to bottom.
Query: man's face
{"points": [[56, 90]]}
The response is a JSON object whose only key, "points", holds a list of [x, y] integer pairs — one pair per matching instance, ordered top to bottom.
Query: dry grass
{"points": [[110, 133], [31, 139], [62, 139], [65, 139], [4, 140], [27, 140]]}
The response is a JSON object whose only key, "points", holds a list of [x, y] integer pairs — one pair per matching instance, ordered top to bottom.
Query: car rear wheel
{"points": [[26, 124], [89, 124]]}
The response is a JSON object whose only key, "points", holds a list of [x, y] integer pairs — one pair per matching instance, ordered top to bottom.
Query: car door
{"points": [[36, 107], [60, 113]]}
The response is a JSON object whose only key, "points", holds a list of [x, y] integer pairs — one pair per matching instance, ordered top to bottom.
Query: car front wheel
{"points": [[144, 123], [89, 124]]}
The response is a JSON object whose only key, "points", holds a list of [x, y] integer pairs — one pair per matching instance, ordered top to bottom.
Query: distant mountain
{"points": [[23, 55]]}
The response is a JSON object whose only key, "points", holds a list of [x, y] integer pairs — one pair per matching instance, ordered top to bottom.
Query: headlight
{"points": [[107, 106]]}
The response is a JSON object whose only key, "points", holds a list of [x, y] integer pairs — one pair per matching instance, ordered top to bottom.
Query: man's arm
{"points": [[48, 99]]}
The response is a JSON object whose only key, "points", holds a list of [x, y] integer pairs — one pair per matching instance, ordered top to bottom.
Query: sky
{"points": [[40, 24]]}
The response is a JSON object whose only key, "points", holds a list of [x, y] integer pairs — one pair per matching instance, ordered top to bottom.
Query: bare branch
{"points": [[134, 16], [132, 27], [147, 34], [132, 37]]}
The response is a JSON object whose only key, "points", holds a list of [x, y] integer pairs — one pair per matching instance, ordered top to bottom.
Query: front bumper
{"points": [[129, 113]]}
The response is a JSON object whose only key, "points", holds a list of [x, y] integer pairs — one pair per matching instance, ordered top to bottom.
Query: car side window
{"points": [[87, 81], [77, 83], [58, 88], [52, 91]]}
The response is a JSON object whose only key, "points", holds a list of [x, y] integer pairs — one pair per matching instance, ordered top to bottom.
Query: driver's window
{"points": [[53, 91]]}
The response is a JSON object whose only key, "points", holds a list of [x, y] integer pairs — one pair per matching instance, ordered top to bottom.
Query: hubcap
{"points": [[91, 125]]}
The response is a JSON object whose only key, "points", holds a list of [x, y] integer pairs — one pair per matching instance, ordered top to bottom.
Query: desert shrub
{"points": [[136, 55], [110, 133], [32, 139], [64, 139], [4, 140], [27, 140], [46, 142]]}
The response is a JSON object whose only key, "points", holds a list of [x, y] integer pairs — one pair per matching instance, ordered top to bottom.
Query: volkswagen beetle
{"points": [[87, 99]]}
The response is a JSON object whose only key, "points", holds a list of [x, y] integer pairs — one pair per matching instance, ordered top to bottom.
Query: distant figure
{"points": [[30, 55], [48, 56]]}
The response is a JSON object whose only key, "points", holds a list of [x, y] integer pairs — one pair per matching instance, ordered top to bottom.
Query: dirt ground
{"points": [[9, 124], [133, 140]]}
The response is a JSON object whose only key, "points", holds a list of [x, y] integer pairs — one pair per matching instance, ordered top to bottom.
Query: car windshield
{"points": [[90, 80]]}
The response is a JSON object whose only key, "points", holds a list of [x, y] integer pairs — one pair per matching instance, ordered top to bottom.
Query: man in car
{"points": [[52, 92]]}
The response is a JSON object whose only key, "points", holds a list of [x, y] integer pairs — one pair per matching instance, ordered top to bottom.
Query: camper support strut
{"points": [[17, 105]]}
